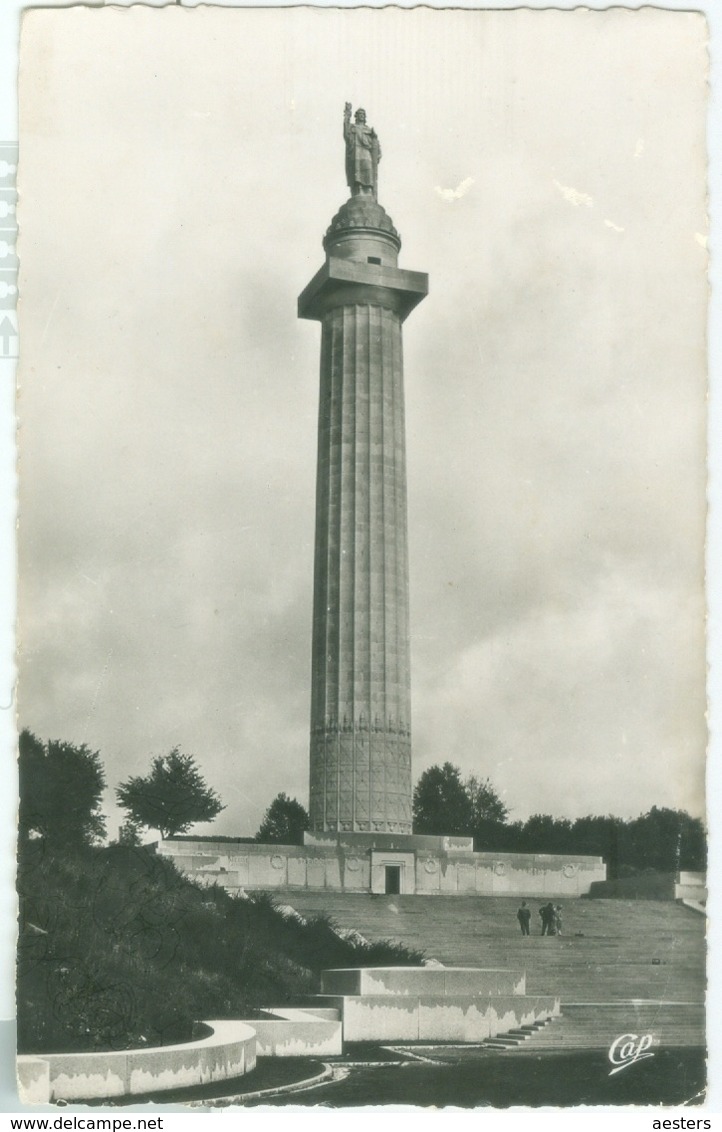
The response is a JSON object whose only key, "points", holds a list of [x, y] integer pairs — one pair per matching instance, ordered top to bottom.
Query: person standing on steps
{"points": [[524, 917], [547, 919], [558, 919]]}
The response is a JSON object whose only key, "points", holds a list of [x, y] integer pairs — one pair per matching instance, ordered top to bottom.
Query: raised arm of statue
{"points": [[347, 127]]}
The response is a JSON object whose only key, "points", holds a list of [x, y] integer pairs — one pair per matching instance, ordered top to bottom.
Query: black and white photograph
{"points": [[362, 465]]}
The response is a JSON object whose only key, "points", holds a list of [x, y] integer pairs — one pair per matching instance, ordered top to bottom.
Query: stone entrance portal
{"points": [[392, 873], [393, 880]]}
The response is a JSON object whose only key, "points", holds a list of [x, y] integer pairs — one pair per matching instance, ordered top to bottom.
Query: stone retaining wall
{"points": [[426, 870], [454, 981], [449, 1004], [437, 1018], [294, 1032], [229, 1051]]}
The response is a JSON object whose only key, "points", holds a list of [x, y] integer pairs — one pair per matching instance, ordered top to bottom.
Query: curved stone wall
{"points": [[229, 1051]]}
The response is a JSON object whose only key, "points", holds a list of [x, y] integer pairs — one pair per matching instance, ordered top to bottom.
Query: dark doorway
{"points": [[393, 880]]}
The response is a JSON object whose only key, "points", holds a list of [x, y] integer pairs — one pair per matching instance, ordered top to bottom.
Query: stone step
{"points": [[625, 949], [612, 952], [596, 1026], [511, 1039]]}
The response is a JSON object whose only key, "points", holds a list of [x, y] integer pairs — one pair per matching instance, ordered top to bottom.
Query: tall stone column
{"points": [[360, 776]]}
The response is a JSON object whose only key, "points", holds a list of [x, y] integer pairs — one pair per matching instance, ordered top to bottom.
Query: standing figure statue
{"points": [[363, 153]]}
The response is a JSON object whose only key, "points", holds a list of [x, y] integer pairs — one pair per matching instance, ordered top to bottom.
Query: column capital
{"points": [[341, 282]]}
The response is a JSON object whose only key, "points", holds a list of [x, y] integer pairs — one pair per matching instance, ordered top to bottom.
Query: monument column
{"points": [[360, 758]]}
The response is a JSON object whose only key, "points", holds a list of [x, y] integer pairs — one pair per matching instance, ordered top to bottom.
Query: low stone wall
{"points": [[424, 870], [507, 874], [648, 886], [653, 886], [691, 889], [471, 981], [433, 1004], [445, 1004], [437, 1018], [293, 1032], [229, 1051], [33, 1077]]}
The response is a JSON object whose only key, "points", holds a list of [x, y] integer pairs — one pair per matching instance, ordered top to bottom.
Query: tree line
{"points": [[61, 788], [61, 791], [445, 803], [660, 840]]}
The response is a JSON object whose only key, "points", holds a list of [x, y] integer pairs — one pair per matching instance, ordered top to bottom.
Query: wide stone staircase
{"points": [[620, 965], [597, 1025]]}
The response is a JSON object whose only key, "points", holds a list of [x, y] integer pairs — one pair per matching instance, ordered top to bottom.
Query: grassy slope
{"points": [[117, 949]]}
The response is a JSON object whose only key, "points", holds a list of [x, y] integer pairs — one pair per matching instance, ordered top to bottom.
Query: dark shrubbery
{"points": [[117, 949]]}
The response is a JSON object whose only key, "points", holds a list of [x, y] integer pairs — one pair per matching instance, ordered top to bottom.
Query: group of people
{"points": [[551, 918]]}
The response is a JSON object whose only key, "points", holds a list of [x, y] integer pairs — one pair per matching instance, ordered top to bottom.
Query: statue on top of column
{"points": [[363, 154]]}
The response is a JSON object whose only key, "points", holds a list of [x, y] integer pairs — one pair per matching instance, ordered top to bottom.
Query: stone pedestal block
{"points": [[444, 1004]]}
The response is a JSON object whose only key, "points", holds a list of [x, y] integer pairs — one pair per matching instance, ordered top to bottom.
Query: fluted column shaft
{"points": [[360, 713]]}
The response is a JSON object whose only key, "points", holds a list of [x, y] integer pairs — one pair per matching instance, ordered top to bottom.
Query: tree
{"points": [[61, 788], [172, 797], [441, 802], [486, 805], [488, 815], [284, 822], [129, 833], [542, 833], [597, 836], [666, 840], [693, 845]]}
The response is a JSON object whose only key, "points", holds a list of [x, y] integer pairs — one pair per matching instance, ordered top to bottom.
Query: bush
{"points": [[117, 949]]}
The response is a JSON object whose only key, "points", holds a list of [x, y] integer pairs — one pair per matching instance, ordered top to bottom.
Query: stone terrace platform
{"points": [[382, 863], [456, 1004]]}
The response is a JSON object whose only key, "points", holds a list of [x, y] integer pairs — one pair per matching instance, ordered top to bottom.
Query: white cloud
{"points": [[574, 196]]}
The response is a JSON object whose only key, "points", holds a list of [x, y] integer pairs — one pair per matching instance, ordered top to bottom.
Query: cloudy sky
{"points": [[178, 170]]}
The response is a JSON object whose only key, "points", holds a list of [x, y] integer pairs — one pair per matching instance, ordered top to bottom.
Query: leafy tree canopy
{"points": [[61, 787], [172, 797], [441, 802], [446, 803], [486, 805], [284, 822], [129, 833], [667, 840]]}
